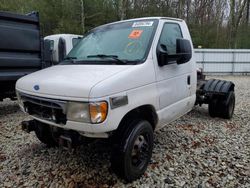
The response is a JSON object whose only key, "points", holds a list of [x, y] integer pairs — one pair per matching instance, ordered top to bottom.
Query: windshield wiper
{"points": [[103, 56], [70, 58]]}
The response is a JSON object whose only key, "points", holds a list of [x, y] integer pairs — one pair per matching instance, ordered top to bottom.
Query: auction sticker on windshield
{"points": [[143, 24], [135, 34]]}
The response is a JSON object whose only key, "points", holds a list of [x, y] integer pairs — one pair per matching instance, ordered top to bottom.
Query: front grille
{"points": [[43, 108]]}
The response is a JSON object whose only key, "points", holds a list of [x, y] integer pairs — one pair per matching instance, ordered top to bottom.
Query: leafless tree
{"points": [[236, 15], [82, 16]]}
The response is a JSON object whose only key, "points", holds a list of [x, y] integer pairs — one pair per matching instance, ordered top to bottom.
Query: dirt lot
{"points": [[194, 151]]}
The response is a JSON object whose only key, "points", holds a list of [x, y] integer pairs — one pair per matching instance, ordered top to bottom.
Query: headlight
{"points": [[77, 111], [98, 111], [87, 112]]}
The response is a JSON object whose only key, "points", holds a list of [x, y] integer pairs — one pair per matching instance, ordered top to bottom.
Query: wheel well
{"points": [[146, 112]]}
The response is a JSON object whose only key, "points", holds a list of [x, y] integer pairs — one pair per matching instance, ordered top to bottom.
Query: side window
{"points": [[170, 32], [75, 41], [51, 45]]}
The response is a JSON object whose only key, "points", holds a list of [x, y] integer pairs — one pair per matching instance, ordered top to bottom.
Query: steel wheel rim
{"points": [[140, 151]]}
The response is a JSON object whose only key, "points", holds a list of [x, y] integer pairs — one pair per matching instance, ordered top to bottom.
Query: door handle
{"points": [[188, 79]]}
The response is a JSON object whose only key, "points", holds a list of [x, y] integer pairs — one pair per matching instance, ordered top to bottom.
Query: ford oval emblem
{"points": [[36, 87]]}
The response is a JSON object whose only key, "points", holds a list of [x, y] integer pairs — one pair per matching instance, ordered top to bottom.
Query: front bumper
{"points": [[53, 112], [85, 129]]}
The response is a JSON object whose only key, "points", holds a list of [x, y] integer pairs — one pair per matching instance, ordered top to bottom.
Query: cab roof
{"points": [[144, 18], [147, 18], [158, 18], [57, 36]]}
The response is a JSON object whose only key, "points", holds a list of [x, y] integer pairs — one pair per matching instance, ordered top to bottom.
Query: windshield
{"points": [[124, 42]]}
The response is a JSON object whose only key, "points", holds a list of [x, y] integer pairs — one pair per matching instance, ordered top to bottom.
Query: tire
{"points": [[228, 106], [222, 107], [213, 108], [44, 134], [133, 151]]}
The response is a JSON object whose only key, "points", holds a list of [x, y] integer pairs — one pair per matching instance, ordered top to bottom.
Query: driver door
{"points": [[173, 80]]}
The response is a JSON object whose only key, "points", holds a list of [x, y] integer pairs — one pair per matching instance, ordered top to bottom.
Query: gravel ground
{"points": [[194, 151]]}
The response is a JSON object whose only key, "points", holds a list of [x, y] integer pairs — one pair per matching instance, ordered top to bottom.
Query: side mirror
{"points": [[61, 49], [183, 50], [183, 53]]}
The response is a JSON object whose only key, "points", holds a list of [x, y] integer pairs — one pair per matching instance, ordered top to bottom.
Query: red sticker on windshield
{"points": [[135, 34]]}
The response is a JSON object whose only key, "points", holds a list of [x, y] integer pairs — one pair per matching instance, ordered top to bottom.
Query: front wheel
{"points": [[130, 158]]}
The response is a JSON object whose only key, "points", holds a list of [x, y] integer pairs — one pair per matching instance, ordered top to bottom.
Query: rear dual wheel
{"points": [[213, 108], [223, 108], [228, 111]]}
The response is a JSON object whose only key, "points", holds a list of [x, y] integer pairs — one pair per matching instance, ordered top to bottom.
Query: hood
{"points": [[67, 80]]}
